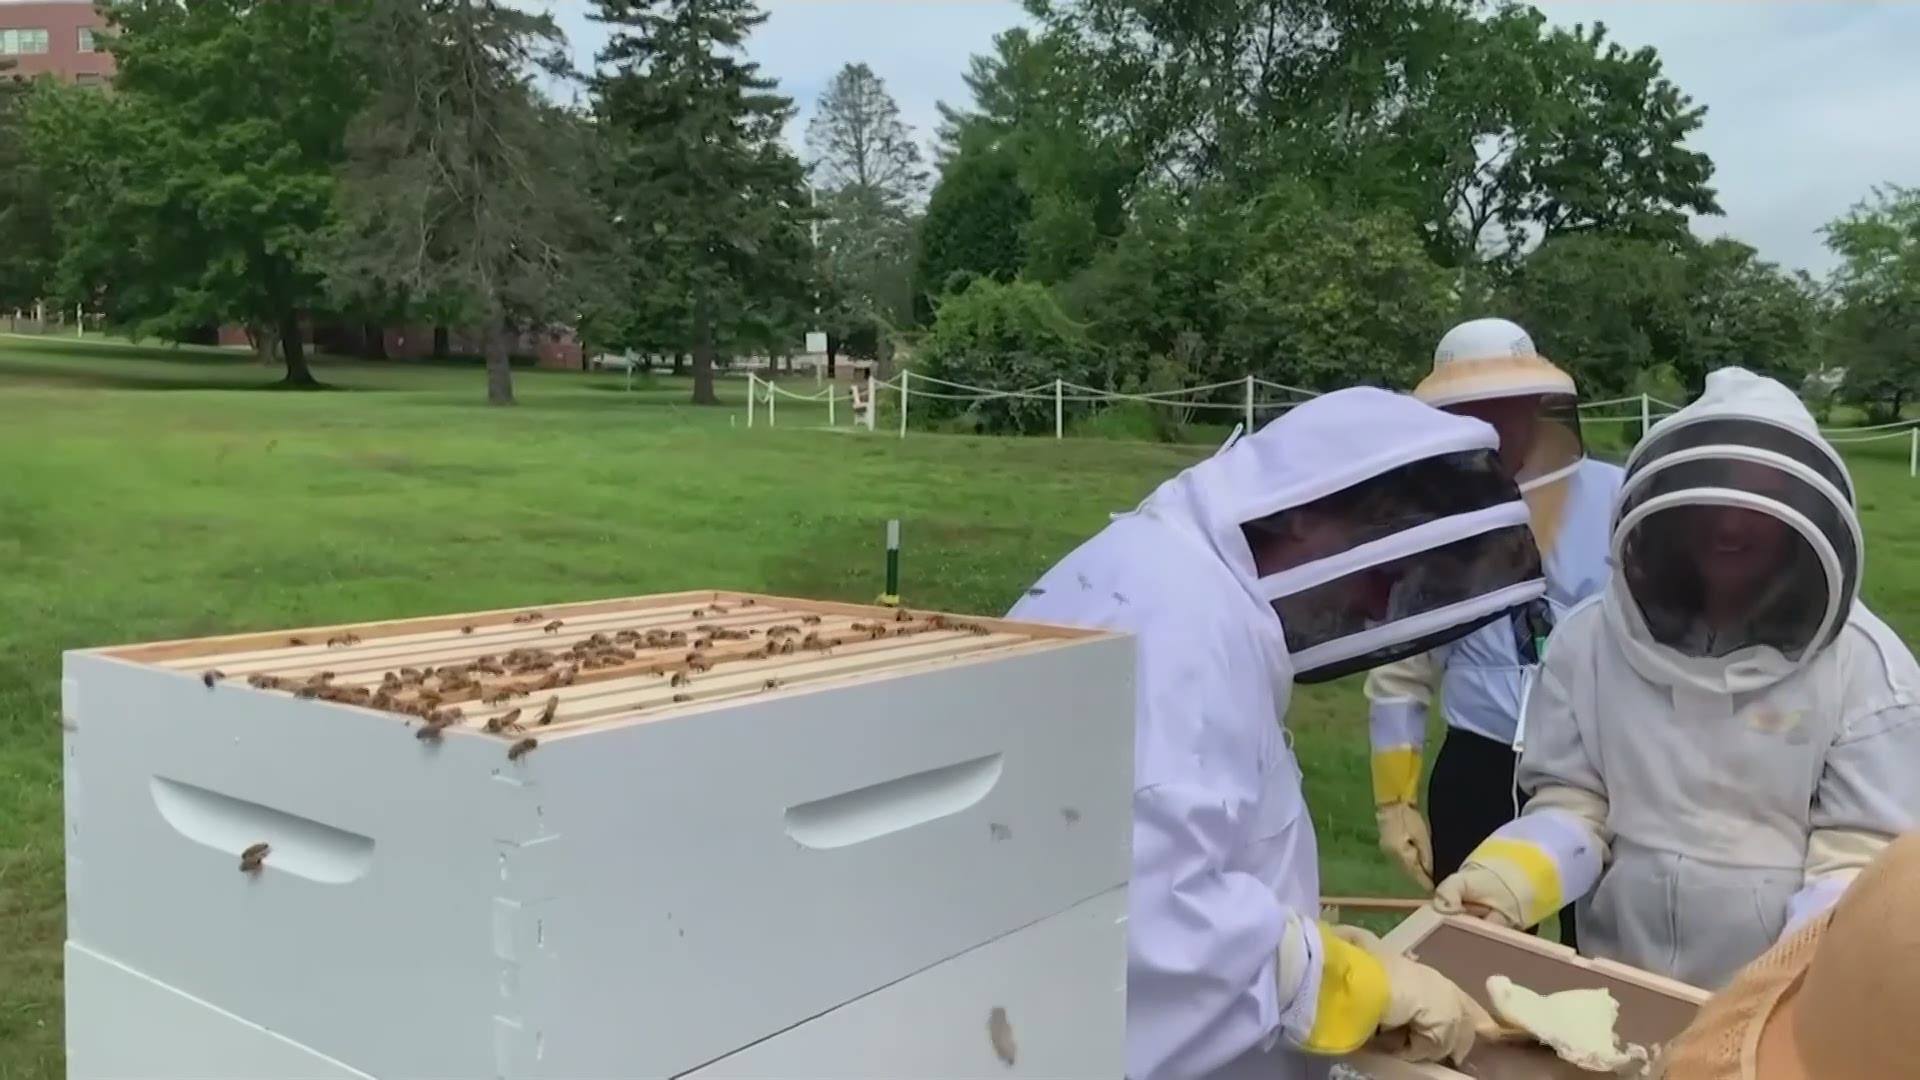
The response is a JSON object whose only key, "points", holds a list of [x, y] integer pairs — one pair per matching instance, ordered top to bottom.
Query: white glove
{"points": [[1407, 841], [1491, 892], [1427, 1018]]}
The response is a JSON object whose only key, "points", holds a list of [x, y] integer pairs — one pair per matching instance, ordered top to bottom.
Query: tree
{"points": [[1234, 90], [1031, 105], [231, 118], [1491, 130], [1510, 131], [856, 140], [867, 176], [465, 191], [710, 202], [26, 209], [975, 222], [1285, 285], [1876, 290], [1327, 298], [1604, 308], [1608, 308], [1742, 310], [1010, 334]]}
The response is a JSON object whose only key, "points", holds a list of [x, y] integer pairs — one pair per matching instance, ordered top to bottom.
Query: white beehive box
{"points": [[885, 844]]}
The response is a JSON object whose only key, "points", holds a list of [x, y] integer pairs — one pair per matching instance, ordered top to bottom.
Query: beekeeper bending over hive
{"points": [[1488, 368], [1359, 528], [1723, 738]]}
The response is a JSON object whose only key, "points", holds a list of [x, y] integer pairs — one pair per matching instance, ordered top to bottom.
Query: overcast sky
{"points": [[1809, 104]]}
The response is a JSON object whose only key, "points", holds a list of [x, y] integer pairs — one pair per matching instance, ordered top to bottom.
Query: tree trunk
{"points": [[376, 341], [265, 343], [442, 347], [703, 353], [833, 353], [679, 363], [499, 364], [298, 373]]}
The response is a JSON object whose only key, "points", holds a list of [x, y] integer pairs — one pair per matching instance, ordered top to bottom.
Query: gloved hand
{"points": [[1405, 838], [1508, 883], [1427, 1018]]}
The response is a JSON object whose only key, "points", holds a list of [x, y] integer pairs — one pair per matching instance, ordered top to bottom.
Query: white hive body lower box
{"points": [[758, 837]]}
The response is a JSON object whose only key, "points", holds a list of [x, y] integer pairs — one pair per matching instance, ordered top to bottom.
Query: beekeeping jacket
{"points": [[1480, 680], [1706, 790], [1229, 972]]}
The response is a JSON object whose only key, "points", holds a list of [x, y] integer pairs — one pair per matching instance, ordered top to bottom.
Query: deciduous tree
{"points": [[230, 120], [28, 248], [1876, 289]]}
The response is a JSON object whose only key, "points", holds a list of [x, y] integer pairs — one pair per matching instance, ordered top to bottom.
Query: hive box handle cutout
{"points": [[860, 815], [301, 846]]}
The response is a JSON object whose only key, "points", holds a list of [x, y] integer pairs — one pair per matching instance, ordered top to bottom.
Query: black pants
{"points": [[1469, 796]]}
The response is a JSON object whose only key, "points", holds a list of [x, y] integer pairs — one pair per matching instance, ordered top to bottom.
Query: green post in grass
{"points": [[891, 597]]}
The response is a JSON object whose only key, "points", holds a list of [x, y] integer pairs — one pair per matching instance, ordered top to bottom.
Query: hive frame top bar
{"points": [[555, 668]]}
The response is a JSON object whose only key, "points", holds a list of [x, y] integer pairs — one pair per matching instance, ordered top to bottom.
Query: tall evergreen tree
{"points": [[710, 201]]}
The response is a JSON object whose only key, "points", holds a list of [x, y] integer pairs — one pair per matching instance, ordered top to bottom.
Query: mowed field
{"points": [[157, 493]]}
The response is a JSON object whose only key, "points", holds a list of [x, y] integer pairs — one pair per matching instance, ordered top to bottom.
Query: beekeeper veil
{"points": [[1489, 368], [1375, 527], [1737, 552]]}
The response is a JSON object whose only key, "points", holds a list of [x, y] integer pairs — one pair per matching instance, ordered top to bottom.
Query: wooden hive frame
{"points": [[569, 667], [1546, 966]]}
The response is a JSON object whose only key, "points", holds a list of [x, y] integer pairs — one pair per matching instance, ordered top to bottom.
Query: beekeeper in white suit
{"points": [[1489, 369], [1359, 528], [1725, 736]]}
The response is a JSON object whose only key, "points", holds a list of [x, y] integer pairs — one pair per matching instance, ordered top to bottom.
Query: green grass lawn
{"points": [[155, 493]]}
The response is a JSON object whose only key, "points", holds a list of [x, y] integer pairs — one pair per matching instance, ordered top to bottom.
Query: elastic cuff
{"points": [[1396, 776], [1515, 861], [1819, 894], [1352, 998]]}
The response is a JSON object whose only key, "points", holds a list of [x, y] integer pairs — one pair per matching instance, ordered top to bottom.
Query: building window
{"points": [[22, 42], [87, 43]]}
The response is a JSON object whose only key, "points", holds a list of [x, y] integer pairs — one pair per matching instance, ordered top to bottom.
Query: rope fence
{"points": [[862, 402]]}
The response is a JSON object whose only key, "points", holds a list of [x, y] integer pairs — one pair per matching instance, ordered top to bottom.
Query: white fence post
{"points": [[80, 320], [904, 376], [751, 379], [872, 402], [829, 404], [1249, 411], [1646, 415], [770, 422], [1059, 426], [1913, 451]]}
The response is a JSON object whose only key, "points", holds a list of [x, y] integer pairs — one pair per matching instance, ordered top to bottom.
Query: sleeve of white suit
{"points": [[1398, 697], [1869, 793], [1553, 853], [1216, 964]]}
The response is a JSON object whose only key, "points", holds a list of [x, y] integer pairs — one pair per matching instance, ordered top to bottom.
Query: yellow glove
{"points": [[1407, 841], [1508, 883], [1427, 1017]]}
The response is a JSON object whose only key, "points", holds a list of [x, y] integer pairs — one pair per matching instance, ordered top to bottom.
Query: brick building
{"points": [[59, 37], [557, 348]]}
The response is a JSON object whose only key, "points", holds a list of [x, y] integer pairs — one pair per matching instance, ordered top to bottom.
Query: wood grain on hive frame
{"points": [[595, 662], [702, 834], [1653, 1008]]}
